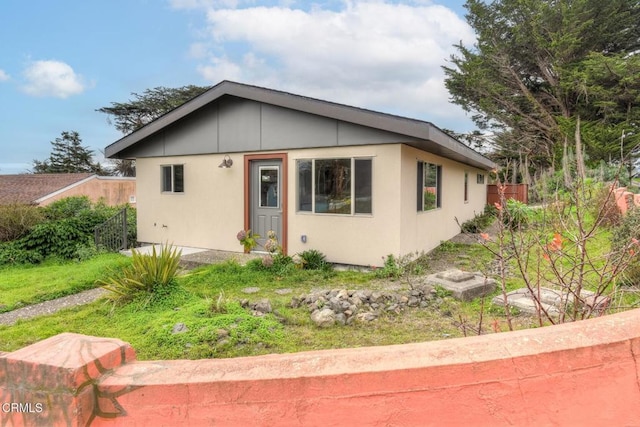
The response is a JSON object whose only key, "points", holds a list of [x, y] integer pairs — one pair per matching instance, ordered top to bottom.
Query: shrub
{"points": [[603, 205], [67, 207], [517, 214], [18, 219], [479, 221], [68, 228], [621, 237], [54, 238], [10, 253], [314, 260], [393, 268], [149, 275]]}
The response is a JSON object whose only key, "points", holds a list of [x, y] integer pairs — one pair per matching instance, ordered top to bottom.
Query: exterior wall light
{"points": [[226, 162]]}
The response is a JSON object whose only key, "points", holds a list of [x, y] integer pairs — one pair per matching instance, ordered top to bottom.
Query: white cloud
{"points": [[369, 53], [3, 76], [52, 78]]}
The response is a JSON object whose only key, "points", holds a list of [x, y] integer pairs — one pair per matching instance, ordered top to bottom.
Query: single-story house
{"points": [[355, 184], [45, 188]]}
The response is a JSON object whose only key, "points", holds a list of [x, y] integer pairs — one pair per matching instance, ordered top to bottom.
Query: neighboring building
{"points": [[354, 184], [46, 188]]}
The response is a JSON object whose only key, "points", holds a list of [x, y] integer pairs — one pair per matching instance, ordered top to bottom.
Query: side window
{"points": [[172, 177], [429, 186], [466, 187]]}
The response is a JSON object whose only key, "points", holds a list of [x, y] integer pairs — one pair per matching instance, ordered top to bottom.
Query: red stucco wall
{"points": [[584, 373]]}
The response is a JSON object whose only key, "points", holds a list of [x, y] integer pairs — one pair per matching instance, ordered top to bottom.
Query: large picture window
{"points": [[172, 178], [335, 186], [429, 186]]}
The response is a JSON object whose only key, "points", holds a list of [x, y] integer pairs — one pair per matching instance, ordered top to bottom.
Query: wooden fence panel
{"points": [[519, 192]]}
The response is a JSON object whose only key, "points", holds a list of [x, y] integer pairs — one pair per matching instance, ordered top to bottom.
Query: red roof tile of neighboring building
{"points": [[27, 188]]}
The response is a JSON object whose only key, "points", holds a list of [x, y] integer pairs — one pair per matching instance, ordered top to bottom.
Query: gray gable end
{"points": [[232, 117]]}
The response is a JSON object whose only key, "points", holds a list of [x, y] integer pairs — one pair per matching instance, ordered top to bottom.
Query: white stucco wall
{"points": [[211, 210], [207, 215], [423, 231]]}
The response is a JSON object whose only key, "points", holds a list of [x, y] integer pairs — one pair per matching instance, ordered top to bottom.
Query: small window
{"points": [[480, 178], [173, 179], [335, 186], [429, 186], [466, 187]]}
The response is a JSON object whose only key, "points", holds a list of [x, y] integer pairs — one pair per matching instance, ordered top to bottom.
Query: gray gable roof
{"points": [[420, 134]]}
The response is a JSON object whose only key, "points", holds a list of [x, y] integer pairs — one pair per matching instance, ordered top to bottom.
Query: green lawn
{"points": [[30, 284], [207, 301]]}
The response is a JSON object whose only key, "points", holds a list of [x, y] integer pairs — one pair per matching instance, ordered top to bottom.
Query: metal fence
{"points": [[112, 234]]}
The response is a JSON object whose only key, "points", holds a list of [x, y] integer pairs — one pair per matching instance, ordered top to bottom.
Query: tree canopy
{"points": [[543, 74], [148, 106], [68, 155]]}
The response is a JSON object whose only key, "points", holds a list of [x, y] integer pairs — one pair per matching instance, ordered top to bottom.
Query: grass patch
{"points": [[29, 284], [209, 302]]}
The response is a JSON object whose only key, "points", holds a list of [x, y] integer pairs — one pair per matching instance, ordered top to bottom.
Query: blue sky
{"points": [[62, 60]]}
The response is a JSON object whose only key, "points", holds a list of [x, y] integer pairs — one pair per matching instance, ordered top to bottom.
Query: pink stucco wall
{"points": [[112, 190], [626, 199], [583, 373]]}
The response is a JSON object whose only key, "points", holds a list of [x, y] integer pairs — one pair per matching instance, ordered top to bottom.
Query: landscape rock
{"points": [[251, 290], [263, 306], [343, 306], [366, 317], [324, 318], [179, 328]]}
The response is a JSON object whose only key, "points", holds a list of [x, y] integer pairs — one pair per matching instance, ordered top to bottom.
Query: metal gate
{"points": [[112, 234]]}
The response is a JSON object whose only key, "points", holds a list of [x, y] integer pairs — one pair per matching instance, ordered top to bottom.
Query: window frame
{"points": [[173, 175], [421, 178], [480, 178], [352, 185], [466, 187], [277, 189]]}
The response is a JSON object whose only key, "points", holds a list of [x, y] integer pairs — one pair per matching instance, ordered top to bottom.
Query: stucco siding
{"points": [[211, 210], [208, 214], [423, 231], [351, 239]]}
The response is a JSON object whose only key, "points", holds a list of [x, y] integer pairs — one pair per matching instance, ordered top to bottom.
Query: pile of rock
{"points": [[343, 306]]}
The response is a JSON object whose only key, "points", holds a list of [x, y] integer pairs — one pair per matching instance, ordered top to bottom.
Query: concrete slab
{"points": [[146, 250], [463, 285], [522, 300], [552, 300]]}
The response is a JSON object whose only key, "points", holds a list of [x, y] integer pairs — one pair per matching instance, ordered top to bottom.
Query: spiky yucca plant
{"points": [[148, 274]]}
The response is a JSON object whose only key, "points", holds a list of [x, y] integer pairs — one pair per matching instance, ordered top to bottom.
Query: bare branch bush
{"points": [[557, 250]]}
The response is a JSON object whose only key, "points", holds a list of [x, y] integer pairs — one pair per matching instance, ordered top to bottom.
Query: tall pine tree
{"points": [[68, 156]]}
